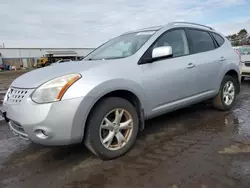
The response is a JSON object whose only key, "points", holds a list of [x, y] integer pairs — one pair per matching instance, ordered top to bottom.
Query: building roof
{"points": [[61, 52]]}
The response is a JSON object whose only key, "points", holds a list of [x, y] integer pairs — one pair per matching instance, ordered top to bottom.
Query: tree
{"points": [[243, 32], [239, 39]]}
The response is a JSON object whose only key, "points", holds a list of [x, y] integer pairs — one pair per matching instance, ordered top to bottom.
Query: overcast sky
{"points": [[88, 23]]}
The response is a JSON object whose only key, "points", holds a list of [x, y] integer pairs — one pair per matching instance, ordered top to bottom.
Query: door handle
{"points": [[223, 59], [190, 65]]}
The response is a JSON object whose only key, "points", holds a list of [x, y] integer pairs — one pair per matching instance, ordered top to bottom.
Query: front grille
{"points": [[247, 63], [245, 74], [15, 95]]}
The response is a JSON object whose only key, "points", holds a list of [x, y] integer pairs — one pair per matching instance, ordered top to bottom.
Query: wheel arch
{"points": [[235, 75], [126, 89], [129, 96]]}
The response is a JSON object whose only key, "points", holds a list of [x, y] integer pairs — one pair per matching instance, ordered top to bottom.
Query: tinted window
{"points": [[218, 38], [177, 40], [201, 41]]}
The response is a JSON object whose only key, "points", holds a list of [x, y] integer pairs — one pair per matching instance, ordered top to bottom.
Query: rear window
{"points": [[219, 39], [201, 41], [244, 50]]}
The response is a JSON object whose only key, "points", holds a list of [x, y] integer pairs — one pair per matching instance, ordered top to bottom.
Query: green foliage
{"points": [[239, 39]]}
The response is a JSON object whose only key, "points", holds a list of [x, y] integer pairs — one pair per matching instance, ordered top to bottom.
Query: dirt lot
{"points": [[8, 76], [196, 147]]}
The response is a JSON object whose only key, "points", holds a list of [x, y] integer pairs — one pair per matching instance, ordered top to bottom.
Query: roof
{"points": [[184, 24], [191, 24], [61, 52]]}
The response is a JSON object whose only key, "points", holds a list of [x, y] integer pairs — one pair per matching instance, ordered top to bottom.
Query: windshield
{"points": [[121, 47], [244, 50]]}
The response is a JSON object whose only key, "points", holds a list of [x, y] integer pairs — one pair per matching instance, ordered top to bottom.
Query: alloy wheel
{"points": [[228, 93], [116, 129]]}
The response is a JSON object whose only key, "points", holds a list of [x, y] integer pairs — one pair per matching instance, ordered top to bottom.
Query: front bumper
{"points": [[245, 70], [47, 124]]}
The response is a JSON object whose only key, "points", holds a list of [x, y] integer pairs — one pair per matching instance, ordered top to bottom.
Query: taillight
{"points": [[238, 53]]}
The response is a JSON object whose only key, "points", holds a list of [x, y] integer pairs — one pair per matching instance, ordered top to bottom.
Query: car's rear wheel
{"points": [[227, 94], [112, 128]]}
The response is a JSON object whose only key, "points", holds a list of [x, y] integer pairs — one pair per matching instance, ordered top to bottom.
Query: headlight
{"points": [[53, 90]]}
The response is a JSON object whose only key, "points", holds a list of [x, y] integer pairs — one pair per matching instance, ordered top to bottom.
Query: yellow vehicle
{"points": [[48, 59], [42, 62]]}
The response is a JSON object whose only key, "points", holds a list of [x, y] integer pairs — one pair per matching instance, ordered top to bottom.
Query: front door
{"points": [[170, 80]]}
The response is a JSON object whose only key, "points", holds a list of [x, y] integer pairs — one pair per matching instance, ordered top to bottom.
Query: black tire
{"points": [[242, 78], [218, 101], [92, 138]]}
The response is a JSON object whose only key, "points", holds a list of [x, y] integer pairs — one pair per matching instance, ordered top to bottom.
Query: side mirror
{"points": [[161, 52]]}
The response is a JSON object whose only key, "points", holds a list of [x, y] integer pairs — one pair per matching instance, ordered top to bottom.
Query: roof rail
{"points": [[190, 23]]}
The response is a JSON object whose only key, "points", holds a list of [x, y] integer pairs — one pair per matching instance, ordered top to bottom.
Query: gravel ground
{"points": [[8, 76], [193, 147]]}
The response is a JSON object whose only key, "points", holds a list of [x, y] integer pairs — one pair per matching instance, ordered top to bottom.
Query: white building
{"points": [[27, 56]]}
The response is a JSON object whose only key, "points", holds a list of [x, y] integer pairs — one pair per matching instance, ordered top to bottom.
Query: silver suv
{"points": [[104, 100]]}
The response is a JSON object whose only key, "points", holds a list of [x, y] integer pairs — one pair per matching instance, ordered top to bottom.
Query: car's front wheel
{"points": [[227, 94], [112, 128]]}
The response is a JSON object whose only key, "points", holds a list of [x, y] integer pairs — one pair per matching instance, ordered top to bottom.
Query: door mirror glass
{"points": [[163, 51]]}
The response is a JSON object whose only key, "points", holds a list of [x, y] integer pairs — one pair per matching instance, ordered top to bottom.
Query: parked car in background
{"points": [[245, 59], [1, 63], [1, 67], [104, 100]]}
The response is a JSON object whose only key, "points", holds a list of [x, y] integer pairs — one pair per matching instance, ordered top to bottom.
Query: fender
{"points": [[226, 68], [96, 93]]}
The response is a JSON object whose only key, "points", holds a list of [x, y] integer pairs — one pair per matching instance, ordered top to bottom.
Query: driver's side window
{"points": [[177, 40]]}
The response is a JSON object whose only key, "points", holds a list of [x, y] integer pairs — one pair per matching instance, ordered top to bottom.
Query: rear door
{"points": [[208, 59]]}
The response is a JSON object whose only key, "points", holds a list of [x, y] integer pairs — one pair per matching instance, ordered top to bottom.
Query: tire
{"points": [[242, 78], [219, 102], [93, 136]]}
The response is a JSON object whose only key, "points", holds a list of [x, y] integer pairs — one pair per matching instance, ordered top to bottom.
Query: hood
{"points": [[39, 76]]}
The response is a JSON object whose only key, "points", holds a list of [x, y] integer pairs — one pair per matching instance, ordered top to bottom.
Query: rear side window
{"points": [[219, 39], [201, 41]]}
